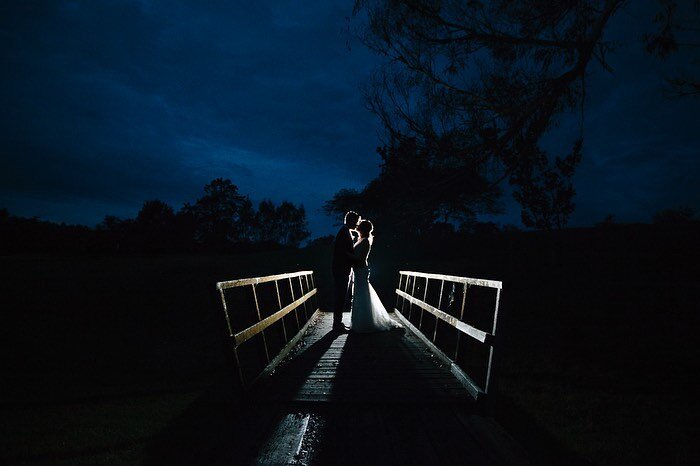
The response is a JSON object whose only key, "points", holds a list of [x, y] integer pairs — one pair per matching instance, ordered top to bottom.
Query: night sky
{"points": [[108, 104]]}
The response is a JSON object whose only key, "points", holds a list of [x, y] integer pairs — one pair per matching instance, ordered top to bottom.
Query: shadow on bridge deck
{"points": [[385, 367], [344, 398]]}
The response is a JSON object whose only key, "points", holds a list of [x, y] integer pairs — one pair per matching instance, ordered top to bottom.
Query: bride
{"points": [[368, 312]]}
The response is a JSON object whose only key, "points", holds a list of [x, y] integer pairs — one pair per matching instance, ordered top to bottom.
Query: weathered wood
{"points": [[452, 278], [257, 280], [425, 296], [279, 303], [461, 317], [228, 320], [253, 330], [261, 330], [473, 332], [386, 367], [270, 368], [489, 370], [457, 371], [285, 441]]}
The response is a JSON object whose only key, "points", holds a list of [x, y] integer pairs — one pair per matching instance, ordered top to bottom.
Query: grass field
{"points": [[597, 342]]}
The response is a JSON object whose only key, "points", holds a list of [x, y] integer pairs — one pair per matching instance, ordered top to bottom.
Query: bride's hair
{"points": [[365, 228]]}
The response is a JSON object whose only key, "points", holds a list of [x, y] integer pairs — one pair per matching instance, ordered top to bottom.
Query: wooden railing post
{"points": [[442, 285], [301, 287], [413, 291], [425, 295], [403, 302], [279, 303], [396, 306], [257, 309], [296, 313], [461, 317], [457, 322], [241, 336], [489, 370]]}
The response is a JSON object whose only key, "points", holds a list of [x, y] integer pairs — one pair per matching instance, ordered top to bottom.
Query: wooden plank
{"points": [[452, 278], [257, 280], [253, 330], [473, 332], [285, 351], [377, 368], [474, 390], [284, 443]]}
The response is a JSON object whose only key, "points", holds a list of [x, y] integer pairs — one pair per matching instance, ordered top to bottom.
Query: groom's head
{"points": [[351, 219]]}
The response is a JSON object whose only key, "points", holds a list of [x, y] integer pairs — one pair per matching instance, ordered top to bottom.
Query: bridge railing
{"points": [[446, 299], [275, 310]]}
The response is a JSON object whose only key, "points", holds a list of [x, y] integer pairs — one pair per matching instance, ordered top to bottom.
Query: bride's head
{"points": [[365, 228]]}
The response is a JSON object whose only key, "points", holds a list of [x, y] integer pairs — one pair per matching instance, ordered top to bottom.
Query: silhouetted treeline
{"points": [[221, 220]]}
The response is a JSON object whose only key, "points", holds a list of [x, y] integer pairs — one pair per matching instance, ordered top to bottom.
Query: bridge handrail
{"points": [[453, 278], [256, 280], [240, 337], [488, 338]]}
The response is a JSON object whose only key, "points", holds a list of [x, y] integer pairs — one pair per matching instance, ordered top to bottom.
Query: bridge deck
{"points": [[385, 367], [342, 398]]}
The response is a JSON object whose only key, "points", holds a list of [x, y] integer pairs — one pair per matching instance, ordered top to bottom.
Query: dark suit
{"points": [[342, 263]]}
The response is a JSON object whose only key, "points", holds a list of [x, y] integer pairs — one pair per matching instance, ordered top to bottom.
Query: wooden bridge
{"points": [[407, 396]]}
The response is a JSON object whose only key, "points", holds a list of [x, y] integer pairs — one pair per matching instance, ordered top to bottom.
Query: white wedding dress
{"points": [[368, 312]]}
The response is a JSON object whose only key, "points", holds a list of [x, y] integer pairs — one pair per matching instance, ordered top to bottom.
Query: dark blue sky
{"points": [[108, 104]]}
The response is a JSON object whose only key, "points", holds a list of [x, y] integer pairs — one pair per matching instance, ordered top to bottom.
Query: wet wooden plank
{"points": [[452, 278], [257, 280], [253, 330], [386, 367], [284, 443]]}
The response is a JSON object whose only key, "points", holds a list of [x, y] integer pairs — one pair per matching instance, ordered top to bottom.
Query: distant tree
{"points": [[409, 193], [345, 200], [547, 200], [156, 214], [217, 215], [672, 217], [246, 220], [608, 221], [267, 224], [284, 224], [294, 225], [155, 226], [116, 233], [321, 241]]}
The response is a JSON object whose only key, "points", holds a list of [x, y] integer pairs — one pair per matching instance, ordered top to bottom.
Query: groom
{"points": [[342, 264]]}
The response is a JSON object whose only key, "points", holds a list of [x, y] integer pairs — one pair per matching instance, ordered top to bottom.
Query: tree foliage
{"points": [[678, 24], [491, 78], [408, 193], [217, 214], [221, 220]]}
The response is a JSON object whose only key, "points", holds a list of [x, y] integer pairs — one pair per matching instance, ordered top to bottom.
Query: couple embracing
{"points": [[350, 267]]}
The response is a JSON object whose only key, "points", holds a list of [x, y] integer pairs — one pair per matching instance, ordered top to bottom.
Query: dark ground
{"points": [[117, 359]]}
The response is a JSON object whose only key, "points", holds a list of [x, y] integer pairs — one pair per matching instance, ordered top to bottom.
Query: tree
{"points": [[677, 27], [491, 78], [409, 194], [217, 215], [674, 217], [284, 224], [294, 224], [267, 225], [155, 226], [117, 232]]}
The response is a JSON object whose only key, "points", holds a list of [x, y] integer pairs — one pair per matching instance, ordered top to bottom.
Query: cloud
{"points": [[120, 102], [113, 103]]}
